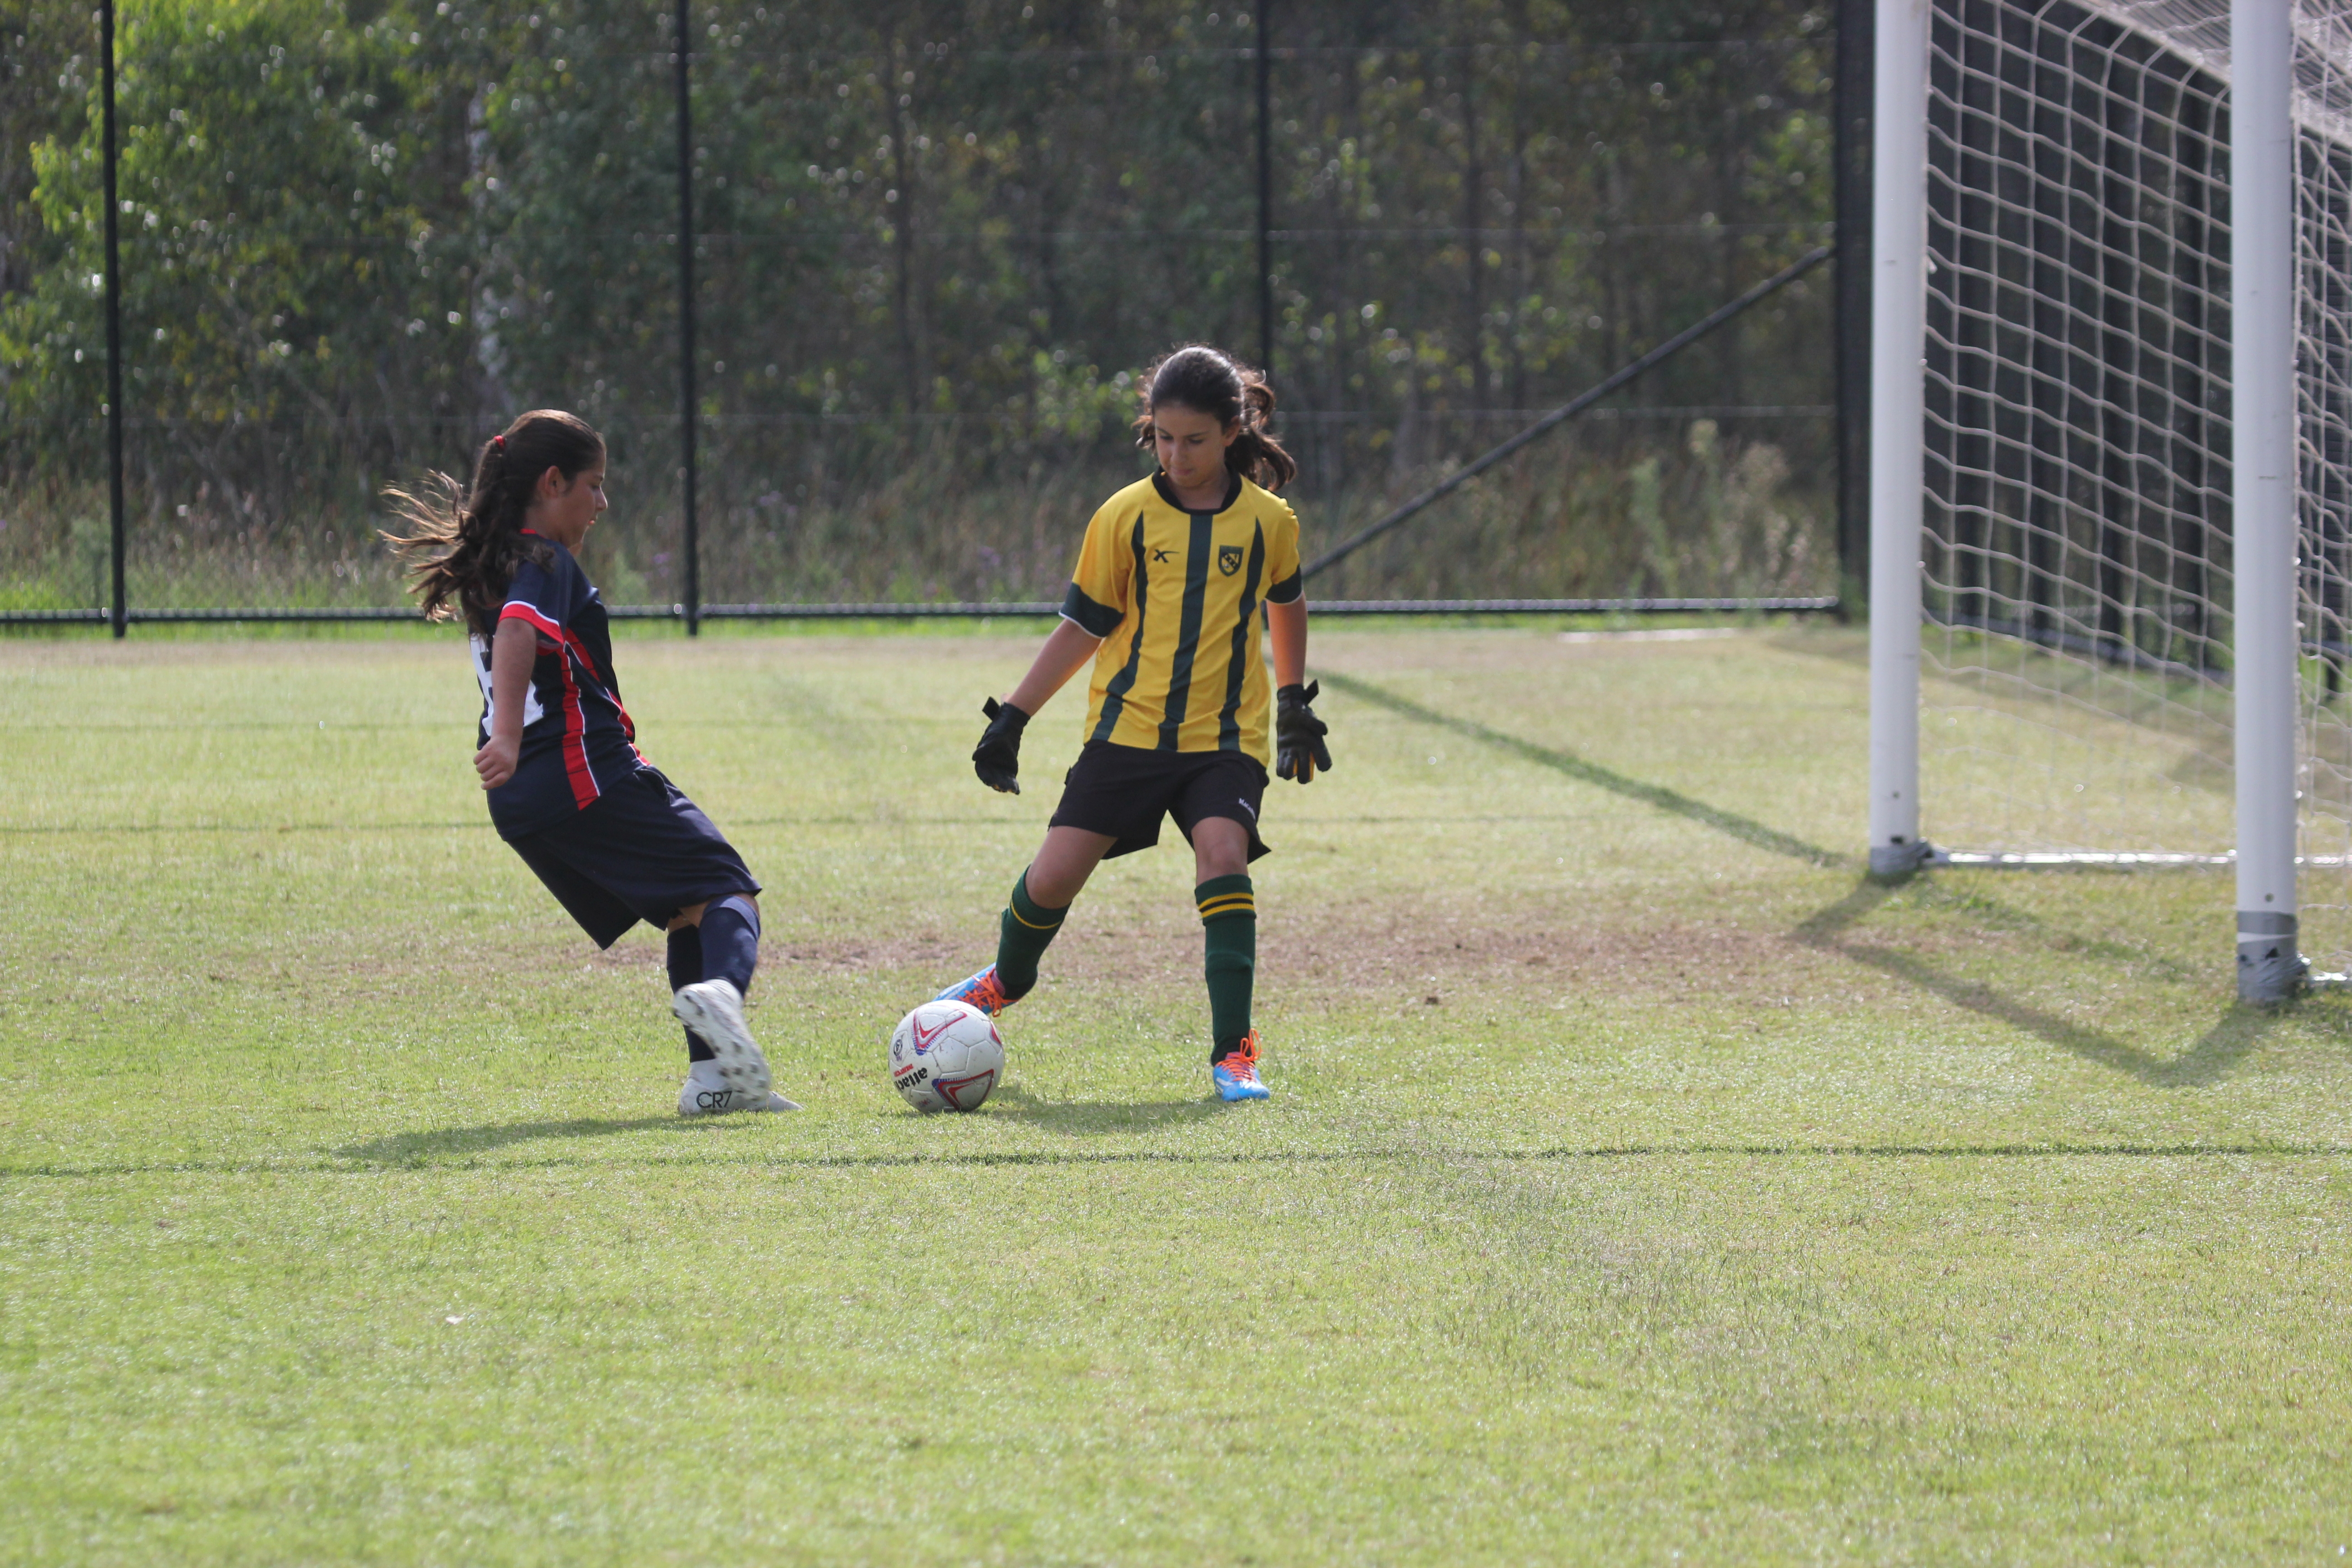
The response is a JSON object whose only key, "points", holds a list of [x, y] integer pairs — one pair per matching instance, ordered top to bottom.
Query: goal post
{"points": [[1898, 301], [2263, 315], [2108, 585]]}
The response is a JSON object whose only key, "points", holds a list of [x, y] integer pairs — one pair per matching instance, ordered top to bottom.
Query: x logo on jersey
{"points": [[1159, 557]]}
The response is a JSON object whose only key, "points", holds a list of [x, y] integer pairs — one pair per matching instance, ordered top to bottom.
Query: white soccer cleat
{"points": [[713, 1009], [707, 1094]]}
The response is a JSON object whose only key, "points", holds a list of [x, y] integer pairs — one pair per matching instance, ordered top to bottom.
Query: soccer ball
{"points": [[946, 1056]]}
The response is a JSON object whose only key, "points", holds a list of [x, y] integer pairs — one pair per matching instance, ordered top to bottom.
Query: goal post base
{"points": [[1894, 862], [2271, 966]]}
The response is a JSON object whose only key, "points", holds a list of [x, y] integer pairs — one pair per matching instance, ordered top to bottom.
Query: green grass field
{"points": [[1641, 1183]]}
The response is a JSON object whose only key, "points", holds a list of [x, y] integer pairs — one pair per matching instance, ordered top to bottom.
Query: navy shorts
{"points": [[1123, 791], [642, 851]]}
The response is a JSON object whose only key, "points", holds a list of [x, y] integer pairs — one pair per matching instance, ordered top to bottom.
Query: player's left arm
{"points": [[539, 601], [1288, 627], [514, 650], [1299, 752]]}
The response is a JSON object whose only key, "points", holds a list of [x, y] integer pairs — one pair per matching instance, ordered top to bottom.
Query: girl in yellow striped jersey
{"points": [[1165, 603]]}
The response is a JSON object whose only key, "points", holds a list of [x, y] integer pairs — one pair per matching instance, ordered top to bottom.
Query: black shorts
{"points": [[1123, 791], [642, 851]]}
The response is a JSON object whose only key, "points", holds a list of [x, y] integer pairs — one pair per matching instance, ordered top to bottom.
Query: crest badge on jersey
{"points": [[1229, 559]]}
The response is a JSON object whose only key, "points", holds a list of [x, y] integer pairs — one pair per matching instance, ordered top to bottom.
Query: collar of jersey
{"points": [[1168, 492]]}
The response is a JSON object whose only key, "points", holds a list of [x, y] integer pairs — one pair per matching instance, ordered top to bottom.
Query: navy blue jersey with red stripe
{"points": [[577, 740]]}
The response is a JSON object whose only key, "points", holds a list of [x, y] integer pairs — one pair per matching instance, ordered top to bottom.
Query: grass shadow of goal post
{"points": [[1746, 829], [2233, 1036], [2216, 1053], [2211, 1059]]}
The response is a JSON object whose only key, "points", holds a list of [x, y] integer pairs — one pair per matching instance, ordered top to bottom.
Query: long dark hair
{"points": [[1211, 382], [463, 544]]}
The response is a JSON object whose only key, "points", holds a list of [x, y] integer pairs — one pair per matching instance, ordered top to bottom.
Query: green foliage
{"points": [[355, 238], [282, 277]]}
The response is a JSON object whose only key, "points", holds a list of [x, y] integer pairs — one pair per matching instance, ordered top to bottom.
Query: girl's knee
{"points": [[1221, 847], [1055, 893], [692, 914]]}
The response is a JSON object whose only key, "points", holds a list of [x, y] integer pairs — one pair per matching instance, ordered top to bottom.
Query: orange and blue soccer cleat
{"points": [[983, 991], [1235, 1077]]}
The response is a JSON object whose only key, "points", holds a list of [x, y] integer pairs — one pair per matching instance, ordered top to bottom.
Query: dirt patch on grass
{"points": [[1382, 949], [1363, 953], [1406, 953], [846, 955], [1716, 961]]}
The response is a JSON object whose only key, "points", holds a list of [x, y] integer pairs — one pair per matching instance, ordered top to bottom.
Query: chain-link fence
{"points": [[933, 247]]}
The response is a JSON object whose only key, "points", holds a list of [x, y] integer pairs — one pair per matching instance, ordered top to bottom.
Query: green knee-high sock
{"points": [[1021, 938], [1228, 938]]}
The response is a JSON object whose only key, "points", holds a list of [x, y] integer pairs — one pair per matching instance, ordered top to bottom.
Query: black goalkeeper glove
{"points": [[1298, 748], [997, 758]]}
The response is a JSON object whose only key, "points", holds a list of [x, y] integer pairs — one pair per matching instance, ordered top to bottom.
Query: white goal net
{"points": [[2076, 654]]}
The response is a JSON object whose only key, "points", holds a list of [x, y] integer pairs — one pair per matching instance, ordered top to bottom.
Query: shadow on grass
{"points": [[1748, 830], [1930, 891], [1962, 891], [1827, 928], [2330, 1010], [2238, 1030], [2234, 1034], [2211, 1059], [1093, 1117], [416, 1148]]}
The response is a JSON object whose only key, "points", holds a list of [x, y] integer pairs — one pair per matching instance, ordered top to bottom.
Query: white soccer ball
{"points": [[946, 1056]]}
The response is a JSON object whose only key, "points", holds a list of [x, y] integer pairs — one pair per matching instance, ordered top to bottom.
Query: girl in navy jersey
{"points": [[613, 839]]}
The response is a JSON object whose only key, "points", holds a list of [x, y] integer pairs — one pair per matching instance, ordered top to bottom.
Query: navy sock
{"points": [[730, 941], [685, 969]]}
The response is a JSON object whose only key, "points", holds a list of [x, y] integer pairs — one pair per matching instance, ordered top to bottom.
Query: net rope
{"points": [[2077, 545]]}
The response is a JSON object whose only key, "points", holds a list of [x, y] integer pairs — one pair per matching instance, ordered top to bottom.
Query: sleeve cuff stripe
{"points": [[1286, 590], [516, 609], [1095, 619]]}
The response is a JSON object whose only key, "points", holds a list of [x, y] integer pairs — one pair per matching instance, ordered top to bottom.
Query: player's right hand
{"points": [[997, 758], [496, 762]]}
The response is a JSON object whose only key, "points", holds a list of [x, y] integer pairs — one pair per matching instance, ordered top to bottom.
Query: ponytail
{"points": [[1211, 381], [464, 543]]}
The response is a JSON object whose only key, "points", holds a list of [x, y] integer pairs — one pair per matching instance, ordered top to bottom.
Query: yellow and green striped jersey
{"points": [[1174, 595]]}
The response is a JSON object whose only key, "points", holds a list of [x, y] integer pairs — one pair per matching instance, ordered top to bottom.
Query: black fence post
{"points": [[1853, 91], [1265, 194], [693, 605], [119, 616]]}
